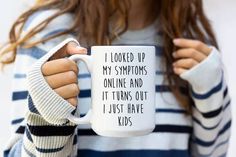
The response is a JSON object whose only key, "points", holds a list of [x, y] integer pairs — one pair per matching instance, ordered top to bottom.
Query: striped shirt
{"points": [[40, 129]]}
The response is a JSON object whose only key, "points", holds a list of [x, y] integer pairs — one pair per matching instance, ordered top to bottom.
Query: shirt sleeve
{"points": [[211, 111], [39, 126], [38, 134]]}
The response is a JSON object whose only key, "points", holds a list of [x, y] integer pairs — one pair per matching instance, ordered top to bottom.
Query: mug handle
{"points": [[88, 61]]}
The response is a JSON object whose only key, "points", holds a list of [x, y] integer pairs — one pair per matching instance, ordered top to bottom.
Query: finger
{"points": [[188, 43], [73, 48], [69, 49], [189, 53], [185, 63], [59, 66], [179, 71], [58, 80], [68, 91], [73, 101]]}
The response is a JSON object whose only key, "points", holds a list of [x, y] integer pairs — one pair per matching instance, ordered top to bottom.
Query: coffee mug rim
{"points": [[123, 46]]}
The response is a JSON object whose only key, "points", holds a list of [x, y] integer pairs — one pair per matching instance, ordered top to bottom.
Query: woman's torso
{"points": [[173, 127]]}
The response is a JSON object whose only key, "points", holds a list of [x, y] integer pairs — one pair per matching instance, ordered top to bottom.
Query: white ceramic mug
{"points": [[122, 92]]}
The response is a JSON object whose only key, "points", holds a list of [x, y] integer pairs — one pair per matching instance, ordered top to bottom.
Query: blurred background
{"points": [[221, 13]]}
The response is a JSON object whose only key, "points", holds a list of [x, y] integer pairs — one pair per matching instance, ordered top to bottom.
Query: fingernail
{"points": [[176, 41], [81, 48], [174, 54]]}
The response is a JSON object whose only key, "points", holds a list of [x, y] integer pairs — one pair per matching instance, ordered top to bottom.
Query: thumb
{"points": [[69, 49]]}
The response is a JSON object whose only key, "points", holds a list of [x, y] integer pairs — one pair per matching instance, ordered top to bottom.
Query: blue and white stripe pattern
{"points": [[205, 133]]}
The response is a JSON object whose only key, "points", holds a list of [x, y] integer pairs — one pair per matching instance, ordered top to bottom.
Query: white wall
{"points": [[8, 12], [223, 16]]}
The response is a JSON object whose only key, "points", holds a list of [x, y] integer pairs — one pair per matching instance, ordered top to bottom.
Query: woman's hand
{"points": [[191, 53], [61, 73]]}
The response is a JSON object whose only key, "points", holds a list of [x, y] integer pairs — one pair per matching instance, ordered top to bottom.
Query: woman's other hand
{"points": [[189, 54]]}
